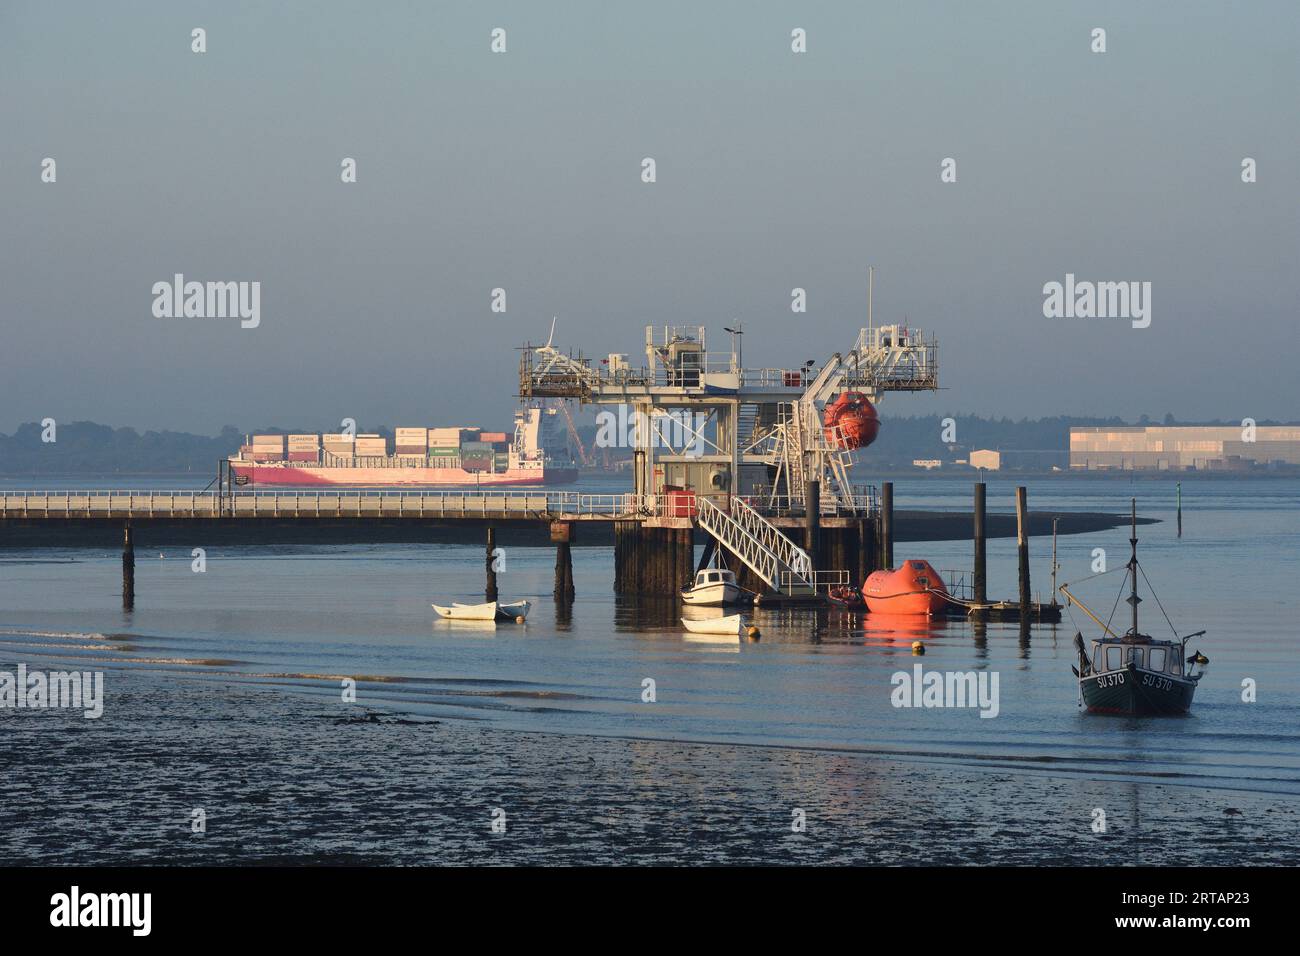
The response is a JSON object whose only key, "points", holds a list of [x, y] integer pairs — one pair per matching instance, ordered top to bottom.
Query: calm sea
{"points": [[301, 619]]}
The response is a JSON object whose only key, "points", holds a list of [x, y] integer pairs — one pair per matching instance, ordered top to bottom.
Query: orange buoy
{"points": [[856, 419], [915, 588]]}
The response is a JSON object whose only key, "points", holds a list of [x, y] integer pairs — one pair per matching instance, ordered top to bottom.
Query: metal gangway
{"points": [[782, 564]]}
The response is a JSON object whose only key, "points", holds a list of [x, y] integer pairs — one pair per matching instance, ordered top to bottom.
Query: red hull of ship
{"points": [[396, 477]]}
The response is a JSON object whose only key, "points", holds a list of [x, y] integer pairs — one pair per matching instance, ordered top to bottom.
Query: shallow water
{"points": [[303, 618]]}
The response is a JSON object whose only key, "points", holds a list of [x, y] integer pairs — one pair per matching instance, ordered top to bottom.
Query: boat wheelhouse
{"points": [[713, 587]]}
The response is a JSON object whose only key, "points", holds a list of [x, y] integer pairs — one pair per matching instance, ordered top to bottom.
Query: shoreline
{"points": [[287, 778]]}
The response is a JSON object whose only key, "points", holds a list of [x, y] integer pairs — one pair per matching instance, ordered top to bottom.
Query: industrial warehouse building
{"points": [[1180, 447], [1019, 459]]}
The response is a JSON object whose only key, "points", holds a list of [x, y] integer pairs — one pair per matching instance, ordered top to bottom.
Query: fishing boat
{"points": [[714, 587], [913, 589], [491, 611], [731, 624], [1134, 674]]}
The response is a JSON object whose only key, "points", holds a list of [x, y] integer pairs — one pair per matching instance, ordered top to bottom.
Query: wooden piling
{"points": [[1180, 509], [887, 525], [562, 537], [1022, 547], [870, 549], [685, 557], [861, 567], [128, 569], [979, 582], [490, 592]]}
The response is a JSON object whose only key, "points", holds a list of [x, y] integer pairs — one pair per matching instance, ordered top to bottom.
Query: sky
{"points": [[522, 170]]}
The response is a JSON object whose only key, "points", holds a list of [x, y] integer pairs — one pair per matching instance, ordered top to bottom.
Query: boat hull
{"points": [[319, 475], [913, 589], [713, 595], [714, 625], [1136, 692]]}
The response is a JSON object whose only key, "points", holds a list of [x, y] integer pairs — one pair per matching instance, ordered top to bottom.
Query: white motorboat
{"points": [[714, 587], [491, 611], [731, 624]]}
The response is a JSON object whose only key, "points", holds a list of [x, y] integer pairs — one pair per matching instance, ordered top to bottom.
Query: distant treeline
{"points": [[89, 448]]}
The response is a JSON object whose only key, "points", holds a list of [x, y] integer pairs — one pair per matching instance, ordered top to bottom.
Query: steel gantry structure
{"points": [[702, 422]]}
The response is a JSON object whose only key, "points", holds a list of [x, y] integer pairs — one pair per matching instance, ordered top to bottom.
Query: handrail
{"points": [[755, 541]]}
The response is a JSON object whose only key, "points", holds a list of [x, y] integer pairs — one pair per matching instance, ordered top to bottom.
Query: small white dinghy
{"points": [[714, 587], [491, 611], [731, 624]]}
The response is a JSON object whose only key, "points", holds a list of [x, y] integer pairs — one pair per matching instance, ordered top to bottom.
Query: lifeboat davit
{"points": [[856, 418], [915, 588]]}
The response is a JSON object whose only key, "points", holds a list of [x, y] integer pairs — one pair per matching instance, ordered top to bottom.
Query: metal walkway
{"points": [[566, 505], [782, 564]]}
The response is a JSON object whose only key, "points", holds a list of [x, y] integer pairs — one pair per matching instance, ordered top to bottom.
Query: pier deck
{"points": [[478, 505]]}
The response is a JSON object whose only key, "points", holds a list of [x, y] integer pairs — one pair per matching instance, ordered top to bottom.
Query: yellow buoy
{"points": [[519, 620], [753, 632], [918, 648]]}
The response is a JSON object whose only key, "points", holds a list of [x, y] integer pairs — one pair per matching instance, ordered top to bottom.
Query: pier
{"points": [[753, 463], [778, 550]]}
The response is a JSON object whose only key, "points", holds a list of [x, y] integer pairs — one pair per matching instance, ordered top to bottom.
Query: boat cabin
{"points": [[714, 576], [1160, 657]]}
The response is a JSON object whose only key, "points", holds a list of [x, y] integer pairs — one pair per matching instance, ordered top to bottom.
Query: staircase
{"points": [[758, 543]]}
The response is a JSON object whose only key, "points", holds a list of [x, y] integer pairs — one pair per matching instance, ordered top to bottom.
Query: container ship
{"points": [[425, 457]]}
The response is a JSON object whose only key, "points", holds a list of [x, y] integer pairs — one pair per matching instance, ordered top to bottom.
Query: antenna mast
{"points": [[871, 282], [1133, 598]]}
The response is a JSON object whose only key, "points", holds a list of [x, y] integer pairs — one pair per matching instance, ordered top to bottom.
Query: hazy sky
{"points": [[523, 170]]}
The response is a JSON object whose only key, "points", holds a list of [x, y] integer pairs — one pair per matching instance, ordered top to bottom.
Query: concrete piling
{"points": [[812, 521]]}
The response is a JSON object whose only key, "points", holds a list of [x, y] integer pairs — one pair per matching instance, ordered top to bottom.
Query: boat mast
{"points": [[1055, 566], [1133, 598]]}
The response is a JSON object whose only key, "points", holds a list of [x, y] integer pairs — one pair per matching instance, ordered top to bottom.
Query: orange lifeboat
{"points": [[856, 418], [915, 588]]}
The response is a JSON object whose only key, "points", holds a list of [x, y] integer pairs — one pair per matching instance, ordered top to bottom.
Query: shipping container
{"points": [[444, 433], [412, 436], [492, 436], [340, 438], [268, 441], [476, 447], [417, 450], [303, 456]]}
